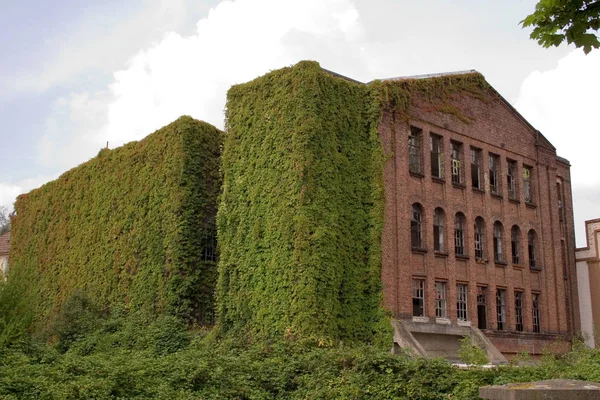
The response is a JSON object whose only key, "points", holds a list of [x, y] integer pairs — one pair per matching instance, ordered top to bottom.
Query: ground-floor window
{"points": [[418, 296], [461, 302]]}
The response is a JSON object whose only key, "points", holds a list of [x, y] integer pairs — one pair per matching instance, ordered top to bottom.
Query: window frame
{"points": [[456, 149], [415, 151], [437, 155], [494, 164], [476, 168], [511, 179], [528, 189], [416, 226], [438, 230], [498, 233], [459, 234], [479, 238], [515, 242], [462, 290], [418, 296], [441, 299], [535, 307], [500, 308], [519, 311]]}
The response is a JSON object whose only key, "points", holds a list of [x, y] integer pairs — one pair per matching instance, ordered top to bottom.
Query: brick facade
{"points": [[496, 130]]}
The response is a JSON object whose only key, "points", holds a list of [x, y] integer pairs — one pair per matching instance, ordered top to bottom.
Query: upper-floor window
{"points": [[436, 145], [414, 150], [456, 156], [494, 170], [476, 180], [511, 180], [528, 184], [416, 226], [438, 230], [459, 234], [479, 238], [514, 244], [531, 245], [498, 254], [418, 296], [440, 299], [461, 302], [500, 308], [519, 311], [536, 312]]}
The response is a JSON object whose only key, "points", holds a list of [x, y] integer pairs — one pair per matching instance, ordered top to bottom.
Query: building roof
{"points": [[4, 243]]}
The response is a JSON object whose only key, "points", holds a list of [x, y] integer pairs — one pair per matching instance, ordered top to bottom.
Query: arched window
{"points": [[416, 226], [438, 230], [498, 231], [459, 234], [515, 234], [479, 238], [531, 244]]}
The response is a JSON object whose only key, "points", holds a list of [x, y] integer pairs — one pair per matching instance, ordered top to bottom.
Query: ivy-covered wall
{"points": [[301, 211], [133, 228]]}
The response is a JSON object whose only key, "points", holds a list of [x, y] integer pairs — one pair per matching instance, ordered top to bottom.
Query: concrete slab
{"points": [[564, 389]]}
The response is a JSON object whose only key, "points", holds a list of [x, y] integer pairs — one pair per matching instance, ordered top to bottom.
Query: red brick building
{"points": [[478, 224]]}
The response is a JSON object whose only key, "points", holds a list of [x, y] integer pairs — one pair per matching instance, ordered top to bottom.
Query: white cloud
{"points": [[237, 41], [563, 104]]}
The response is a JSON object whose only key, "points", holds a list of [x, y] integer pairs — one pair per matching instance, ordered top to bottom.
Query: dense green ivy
{"points": [[301, 211], [131, 228]]}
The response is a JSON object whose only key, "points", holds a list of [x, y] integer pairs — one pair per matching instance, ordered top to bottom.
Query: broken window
{"points": [[414, 150], [456, 155], [437, 156], [476, 168], [494, 168], [511, 180], [527, 184], [416, 228], [438, 230], [459, 234], [479, 238], [514, 244], [531, 244], [498, 255], [418, 294], [440, 299], [461, 302], [481, 307], [500, 308], [519, 311], [536, 312]]}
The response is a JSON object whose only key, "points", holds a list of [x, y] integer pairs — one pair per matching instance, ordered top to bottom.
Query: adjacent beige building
{"points": [[4, 248], [588, 281]]}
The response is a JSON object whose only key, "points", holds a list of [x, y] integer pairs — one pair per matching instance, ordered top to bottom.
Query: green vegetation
{"points": [[574, 21], [301, 212], [130, 228], [470, 353], [118, 359]]}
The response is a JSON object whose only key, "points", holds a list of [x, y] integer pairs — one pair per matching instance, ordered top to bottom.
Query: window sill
{"points": [[417, 174], [438, 180], [459, 185], [477, 190], [497, 196], [515, 201], [530, 205], [419, 250], [439, 253], [461, 256], [481, 260], [500, 263], [517, 266], [535, 268], [420, 319], [442, 321], [461, 322]]}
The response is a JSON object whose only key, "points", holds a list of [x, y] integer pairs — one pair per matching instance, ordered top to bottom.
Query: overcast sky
{"points": [[75, 75]]}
